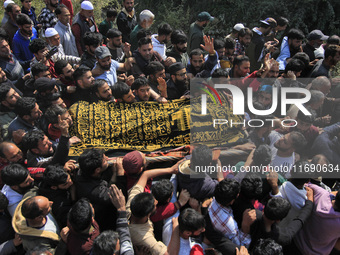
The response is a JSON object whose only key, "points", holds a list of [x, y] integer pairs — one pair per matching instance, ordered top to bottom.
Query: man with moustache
{"points": [[47, 16], [127, 19], [83, 22], [11, 26], [63, 28], [196, 30], [22, 38], [244, 38], [291, 44], [115, 45], [178, 50], [254, 50], [8, 62], [199, 66], [106, 68], [84, 83], [177, 85], [103, 90], [8, 99], [28, 115], [41, 153], [17, 181]]}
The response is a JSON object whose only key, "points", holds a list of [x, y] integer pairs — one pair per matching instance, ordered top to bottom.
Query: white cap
{"points": [[8, 2], [86, 5], [238, 26], [50, 32]]}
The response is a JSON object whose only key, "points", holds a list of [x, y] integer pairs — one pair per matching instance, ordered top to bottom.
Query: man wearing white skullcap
{"points": [[47, 16], [6, 17], [83, 22], [236, 29], [53, 40]]}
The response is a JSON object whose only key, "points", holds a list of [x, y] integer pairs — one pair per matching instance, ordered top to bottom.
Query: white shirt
{"points": [[159, 47], [13, 197]]}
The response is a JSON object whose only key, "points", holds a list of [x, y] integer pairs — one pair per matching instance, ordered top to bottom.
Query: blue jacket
{"points": [[20, 48]]}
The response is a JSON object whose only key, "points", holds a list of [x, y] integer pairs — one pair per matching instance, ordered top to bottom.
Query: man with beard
{"points": [[47, 17], [126, 19], [83, 22], [11, 26], [63, 28], [196, 31], [22, 39], [53, 40], [160, 40], [315, 40], [91, 41], [242, 42], [291, 44], [115, 45], [178, 50], [254, 50], [144, 55], [8, 62], [199, 67], [322, 67], [106, 68], [65, 72], [84, 82], [177, 85], [102, 90], [123, 93], [8, 99], [28, 115], [283, 149], [10, 153], [41, 153], [17, 181]]}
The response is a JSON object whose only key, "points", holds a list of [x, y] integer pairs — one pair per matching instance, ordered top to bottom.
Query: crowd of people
{"points": [[52, 204]]}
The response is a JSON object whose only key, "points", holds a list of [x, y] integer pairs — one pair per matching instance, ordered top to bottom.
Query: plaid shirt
{"points": [[47, 19], [239, 49], [222, 219]]}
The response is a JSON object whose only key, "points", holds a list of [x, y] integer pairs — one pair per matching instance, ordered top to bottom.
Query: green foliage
{"points": [[303, 14]]}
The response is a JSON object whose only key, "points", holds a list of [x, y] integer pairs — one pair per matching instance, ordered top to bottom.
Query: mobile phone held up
{"points": [[53, 51]]}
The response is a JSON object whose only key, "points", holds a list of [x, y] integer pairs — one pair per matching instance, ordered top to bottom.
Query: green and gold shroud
{"points": [[150, 126]]}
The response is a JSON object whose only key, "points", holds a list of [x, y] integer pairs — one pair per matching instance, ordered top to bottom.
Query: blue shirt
{"points": [[20, 46], [111, 75]]}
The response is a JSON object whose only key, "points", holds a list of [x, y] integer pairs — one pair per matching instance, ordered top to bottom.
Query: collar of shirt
{"points": [[127, 14], [63, 26]]}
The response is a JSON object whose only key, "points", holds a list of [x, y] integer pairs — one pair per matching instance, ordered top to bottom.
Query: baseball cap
{"points": [[204, 16], [270, 22], [238, 26], [316, 35], [102, 52], [44, 84]]}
